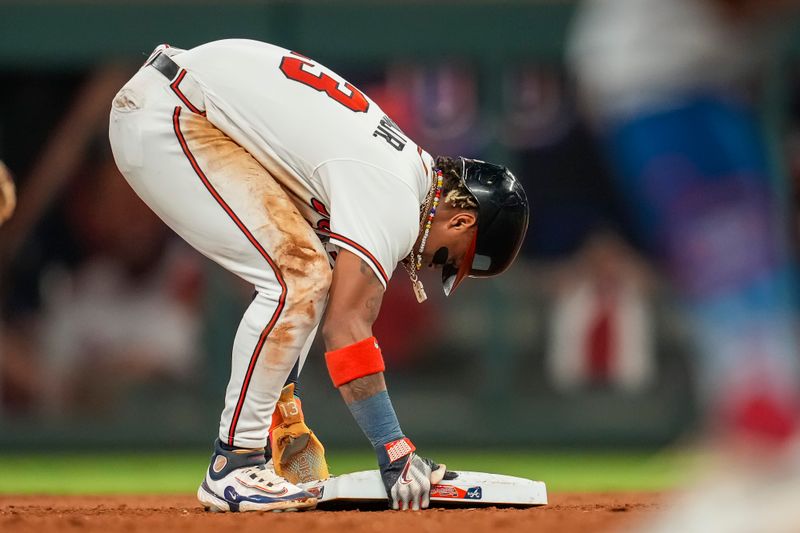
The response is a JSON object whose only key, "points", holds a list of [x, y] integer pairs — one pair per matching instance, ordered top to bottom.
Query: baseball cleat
{"points": [[297, 453], [238, 480]]}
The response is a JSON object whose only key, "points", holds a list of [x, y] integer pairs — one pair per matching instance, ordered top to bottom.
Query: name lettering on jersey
{"points": [[391, 133]]}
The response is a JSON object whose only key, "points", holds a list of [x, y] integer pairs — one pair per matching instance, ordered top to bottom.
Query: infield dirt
{"points": [[567, 513]]}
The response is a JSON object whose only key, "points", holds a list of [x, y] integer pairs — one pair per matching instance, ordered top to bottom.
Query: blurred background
{"points": [[114, 333]]}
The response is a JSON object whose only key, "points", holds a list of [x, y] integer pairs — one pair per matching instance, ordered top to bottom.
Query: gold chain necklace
{"points": [[414, 264]]}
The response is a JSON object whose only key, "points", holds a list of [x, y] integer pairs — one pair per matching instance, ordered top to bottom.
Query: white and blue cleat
{"points": [[239, 481]]}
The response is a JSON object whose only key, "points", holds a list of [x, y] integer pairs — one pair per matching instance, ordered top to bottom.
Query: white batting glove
{"points": [[408, 477]]}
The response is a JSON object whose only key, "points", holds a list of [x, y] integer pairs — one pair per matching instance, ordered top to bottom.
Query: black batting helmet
{"points": [[502, 223]]}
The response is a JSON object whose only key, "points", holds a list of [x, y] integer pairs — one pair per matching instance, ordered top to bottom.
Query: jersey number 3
{"points": [[293, 68]]}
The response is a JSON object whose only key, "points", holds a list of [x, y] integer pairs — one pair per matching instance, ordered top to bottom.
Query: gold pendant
{"points": [[419, 290]]}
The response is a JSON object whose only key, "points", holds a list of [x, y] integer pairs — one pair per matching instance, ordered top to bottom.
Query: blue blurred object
{"points": [[697, 176]]}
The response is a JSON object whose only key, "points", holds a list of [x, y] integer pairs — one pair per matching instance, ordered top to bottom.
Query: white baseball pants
{"points": [[218, 198]]}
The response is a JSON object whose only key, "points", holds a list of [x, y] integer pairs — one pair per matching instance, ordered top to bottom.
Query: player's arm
{"points": [[354, 301], [356, 367]]}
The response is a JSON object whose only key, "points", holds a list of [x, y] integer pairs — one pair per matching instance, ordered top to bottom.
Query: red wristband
{"points": [[355, 361]]}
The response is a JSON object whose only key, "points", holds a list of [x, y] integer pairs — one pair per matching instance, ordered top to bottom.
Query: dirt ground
{"points": [[567, 513]]}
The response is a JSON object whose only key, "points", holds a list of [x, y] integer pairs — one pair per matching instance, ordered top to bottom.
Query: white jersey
{"points": [[353, 174]]}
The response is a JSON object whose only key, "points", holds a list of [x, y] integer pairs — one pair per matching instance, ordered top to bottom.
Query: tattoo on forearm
{"points": [[362, 388]]}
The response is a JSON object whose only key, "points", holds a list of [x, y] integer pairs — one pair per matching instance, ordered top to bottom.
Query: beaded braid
{"points": [[455, 194]]}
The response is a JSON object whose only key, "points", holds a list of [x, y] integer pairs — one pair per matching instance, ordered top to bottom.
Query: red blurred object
{"points": [[404, 325], [600, 344], [762, 416]]}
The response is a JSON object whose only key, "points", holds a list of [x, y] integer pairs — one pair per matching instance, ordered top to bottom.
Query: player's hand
{"points": [[408, 478]]}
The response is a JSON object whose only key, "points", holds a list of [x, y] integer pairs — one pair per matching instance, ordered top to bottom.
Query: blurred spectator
{"points": [[126, 312], [601, 329]]}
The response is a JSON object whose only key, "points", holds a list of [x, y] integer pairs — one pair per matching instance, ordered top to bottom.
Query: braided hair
{"points": [[454, 192]]}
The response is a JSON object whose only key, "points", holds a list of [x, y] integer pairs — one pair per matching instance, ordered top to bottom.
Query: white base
{"points": [[471, 488]]}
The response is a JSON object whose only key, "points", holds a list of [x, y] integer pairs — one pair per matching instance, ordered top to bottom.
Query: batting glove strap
{"points": [[394, 451], [408, 480]]}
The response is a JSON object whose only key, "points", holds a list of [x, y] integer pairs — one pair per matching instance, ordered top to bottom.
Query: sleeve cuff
{"points": [[352, 246]]}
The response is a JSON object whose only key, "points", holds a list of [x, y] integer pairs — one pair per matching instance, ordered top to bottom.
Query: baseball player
{"points": [[277, 168]]}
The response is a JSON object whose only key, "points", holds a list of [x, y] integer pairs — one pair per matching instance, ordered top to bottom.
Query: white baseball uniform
{"points": [[267, 162]]}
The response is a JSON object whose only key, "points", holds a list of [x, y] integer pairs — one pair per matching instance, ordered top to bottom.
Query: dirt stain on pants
{"points": [[293, 311]]}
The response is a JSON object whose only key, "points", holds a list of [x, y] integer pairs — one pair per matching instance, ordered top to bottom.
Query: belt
{"points": [[165, 66], [184, 87]]}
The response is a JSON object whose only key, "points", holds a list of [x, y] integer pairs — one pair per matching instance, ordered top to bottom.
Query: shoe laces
{"points": [[262, 475]]}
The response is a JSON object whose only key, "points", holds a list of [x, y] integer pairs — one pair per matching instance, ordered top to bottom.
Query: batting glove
{"points": [[297, 454], [408, 477]]}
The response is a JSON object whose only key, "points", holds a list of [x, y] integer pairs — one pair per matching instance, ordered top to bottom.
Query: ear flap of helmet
{"points": [[452, 276]]}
